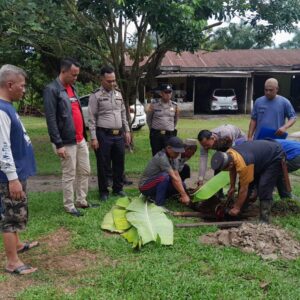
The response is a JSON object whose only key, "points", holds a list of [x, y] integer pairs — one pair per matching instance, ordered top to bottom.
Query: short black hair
{"points": [[66, 63], [106, 70], [204, 134]]}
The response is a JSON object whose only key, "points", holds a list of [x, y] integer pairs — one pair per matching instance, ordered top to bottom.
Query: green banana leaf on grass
{"points": [[212, 186], [139, 222]]}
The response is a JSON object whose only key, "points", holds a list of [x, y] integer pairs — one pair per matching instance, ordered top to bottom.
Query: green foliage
{"points": [[239, 36], [294, 43], [139, 222]]}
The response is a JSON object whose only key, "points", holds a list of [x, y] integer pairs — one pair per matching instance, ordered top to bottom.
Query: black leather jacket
{"points": [[59, 117]]}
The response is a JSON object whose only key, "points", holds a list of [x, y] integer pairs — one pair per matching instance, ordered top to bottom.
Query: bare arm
{"points": [[149, 116], [252, 127], [285, 127], [177, 183], [240, 201]]}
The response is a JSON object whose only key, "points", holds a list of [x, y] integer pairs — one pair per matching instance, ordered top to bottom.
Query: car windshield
{"points": [[224, 93]]}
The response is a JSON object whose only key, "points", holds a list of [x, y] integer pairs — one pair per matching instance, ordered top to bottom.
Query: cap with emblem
{"points": [[166, 87], [176, 144], [219, 160]]}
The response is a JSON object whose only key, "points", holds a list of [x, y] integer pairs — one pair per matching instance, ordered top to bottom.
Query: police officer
{"points": [[162, 117], [108, 126]]}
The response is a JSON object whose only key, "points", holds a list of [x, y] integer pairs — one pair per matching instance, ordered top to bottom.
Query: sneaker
{"points": [[120, 193], [74, 212]]}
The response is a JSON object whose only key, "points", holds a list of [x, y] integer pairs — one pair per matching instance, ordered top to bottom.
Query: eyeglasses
{"points": [[167, 92]]}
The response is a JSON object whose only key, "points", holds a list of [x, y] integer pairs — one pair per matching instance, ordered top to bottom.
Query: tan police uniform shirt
{"points": [[107, 110], [162, 116]]}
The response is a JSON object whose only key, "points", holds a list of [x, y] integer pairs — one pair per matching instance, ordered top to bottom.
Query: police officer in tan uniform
{"points": [[162, 117], [108, 126]]}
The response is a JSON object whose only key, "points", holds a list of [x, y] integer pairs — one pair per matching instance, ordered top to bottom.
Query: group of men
{"points": [[258, 161], [260, 164]]}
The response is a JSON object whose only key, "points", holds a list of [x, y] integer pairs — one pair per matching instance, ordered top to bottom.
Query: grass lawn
{"points": [[77, 260]]}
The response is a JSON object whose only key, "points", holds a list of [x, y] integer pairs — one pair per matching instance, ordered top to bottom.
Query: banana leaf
{"points": [[212, 186], [123, 202], [120, 220], [150, 222], [109, 224], [132, 236]]}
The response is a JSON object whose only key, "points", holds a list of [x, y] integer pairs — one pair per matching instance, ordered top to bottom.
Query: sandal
{"points": [[28, 246], [20, 270]]}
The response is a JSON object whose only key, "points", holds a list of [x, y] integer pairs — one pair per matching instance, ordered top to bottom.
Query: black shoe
{"points": [[127, 182], [120, 193], [103, 197], [90, 205], [74, 212]]}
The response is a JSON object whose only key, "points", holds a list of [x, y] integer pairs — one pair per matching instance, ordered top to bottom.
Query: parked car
{"points": [[223, 99], [140, 116]]}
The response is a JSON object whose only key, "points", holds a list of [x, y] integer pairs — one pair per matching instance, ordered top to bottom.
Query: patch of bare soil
{"points": [[268, 241], [55, 257]]}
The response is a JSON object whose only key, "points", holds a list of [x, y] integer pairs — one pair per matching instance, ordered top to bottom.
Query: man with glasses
{"points": [[270, 112], [162, 117], [108, 126]]}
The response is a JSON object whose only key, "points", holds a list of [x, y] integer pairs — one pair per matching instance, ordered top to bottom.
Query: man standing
{"points": [[271, 112], [162, 117], [108, 126], [67, 132], [221, 139], [258, 162], [16, 165], [161, 178]]}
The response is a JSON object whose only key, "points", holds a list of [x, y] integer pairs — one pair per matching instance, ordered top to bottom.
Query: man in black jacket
{"points": [[67, 133]]}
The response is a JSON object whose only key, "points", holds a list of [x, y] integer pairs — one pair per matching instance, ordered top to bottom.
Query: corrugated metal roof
{"points": [[254, 58], [230, 59]]}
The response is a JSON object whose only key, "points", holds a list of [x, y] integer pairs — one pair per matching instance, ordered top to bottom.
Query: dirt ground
{"points": [[51, 183], [266, 240], [56, 259]]}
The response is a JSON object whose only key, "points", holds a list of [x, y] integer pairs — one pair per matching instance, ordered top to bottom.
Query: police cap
{"points": [[166, 87]]}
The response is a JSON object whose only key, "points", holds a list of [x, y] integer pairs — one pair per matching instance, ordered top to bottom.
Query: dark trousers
{"points": [[158, 141], [110, 157], [292, 165], [185, 172], [266, 181], [159, 188]]}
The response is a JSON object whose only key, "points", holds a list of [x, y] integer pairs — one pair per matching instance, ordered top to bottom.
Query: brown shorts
{"points": [[14, 213]]}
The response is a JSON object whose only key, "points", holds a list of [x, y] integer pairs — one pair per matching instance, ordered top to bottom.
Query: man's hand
{"points": [[280, 131], [127, 138], [94, 144], [61, 152], [16, 190], [230, 192], [185, 199], [234, 211]]}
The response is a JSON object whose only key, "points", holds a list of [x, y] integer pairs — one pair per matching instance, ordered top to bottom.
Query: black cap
{"points": [[166, 87], [176, 144], [219, 161]]}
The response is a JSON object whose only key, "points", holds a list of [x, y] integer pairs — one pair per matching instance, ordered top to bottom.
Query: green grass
{"points": [[48, 163], [186, 270]]}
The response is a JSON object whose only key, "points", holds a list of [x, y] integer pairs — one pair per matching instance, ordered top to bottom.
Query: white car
{"points": [[223, 99], [140, 116]]}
